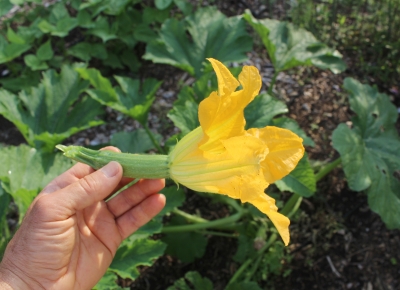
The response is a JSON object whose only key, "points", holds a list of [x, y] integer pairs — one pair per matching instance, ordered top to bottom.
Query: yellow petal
{"points": [[227, 83], [221, 116], [285, 151], [250, 188], [263, 203]]}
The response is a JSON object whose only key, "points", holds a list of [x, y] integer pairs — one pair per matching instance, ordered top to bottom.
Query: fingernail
{"points": [[111, 169]]}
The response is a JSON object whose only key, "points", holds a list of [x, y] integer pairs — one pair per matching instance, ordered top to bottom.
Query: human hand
{"points": [[70, 235]]}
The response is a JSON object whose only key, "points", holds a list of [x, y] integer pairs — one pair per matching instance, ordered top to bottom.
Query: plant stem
{"points": [[272, 83], [153, 139], [134, 165], [327, 168], [136, 180], [292, 205], [290, 208], [189, 217], [217, 224], [214, 233], [259, 256], [248, 262]]}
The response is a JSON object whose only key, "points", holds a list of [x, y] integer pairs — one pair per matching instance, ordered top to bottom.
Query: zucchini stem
{"points": [[134, 165]]}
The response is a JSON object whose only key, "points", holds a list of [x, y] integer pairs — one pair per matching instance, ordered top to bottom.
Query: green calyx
{"points": [[134, 165]]}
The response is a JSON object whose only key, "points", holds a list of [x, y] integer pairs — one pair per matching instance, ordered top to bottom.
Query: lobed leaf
{"points": [[60, 23], [212, 34], [289, 46], [130, 97], [184, 111], [51, 112], [260, 112], [137, 141], [369, 150], [25, 171], [186, 246], [134, 253]]}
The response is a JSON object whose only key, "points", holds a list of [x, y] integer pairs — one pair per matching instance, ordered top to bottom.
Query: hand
{"points": [[70, 235]]}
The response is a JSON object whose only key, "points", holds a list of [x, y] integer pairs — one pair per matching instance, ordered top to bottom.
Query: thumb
{"points": [[90, 189]]}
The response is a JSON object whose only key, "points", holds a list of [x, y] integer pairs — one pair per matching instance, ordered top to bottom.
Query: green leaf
{"points": [[162, 4], [185, 6], [5, 7], [109, 7], [58, 12], [151, 15], [84, 19], [59, 22], [103, 30], [30, 33], [144, 33], [212, 34], [14, 38], [289, 46], [9, 51], [85, 51], [45, 52], [130, 60], [113, 61], [34, 62], [25, 80], [130, 97], [262, 109], [184, 111], [44, 115], [292, 125], [137, 141], [370, 151], [25, 171], [301, 180], [175, 198], [4, 203], [186, 246], [245, 246], [134, 253], [192, 281], [107, 282], [248, 285]]}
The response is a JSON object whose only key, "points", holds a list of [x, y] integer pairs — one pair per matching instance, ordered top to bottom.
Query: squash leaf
{"points": [[212, 34], [289, 46], [130, 98], [51, 112], [370, 150], [25, 171]]}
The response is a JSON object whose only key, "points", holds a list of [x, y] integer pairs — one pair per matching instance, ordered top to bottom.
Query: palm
{"points": [[67, 244]]}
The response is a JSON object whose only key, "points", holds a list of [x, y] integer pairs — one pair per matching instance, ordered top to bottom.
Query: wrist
{"points": [[10, 280]]}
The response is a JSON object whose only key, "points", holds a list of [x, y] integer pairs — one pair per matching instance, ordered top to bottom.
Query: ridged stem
{"points": [[134, 165], [327, 168]]}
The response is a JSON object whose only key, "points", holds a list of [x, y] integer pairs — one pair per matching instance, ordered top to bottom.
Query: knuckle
{"points": [[88, 184], [40, 208]]}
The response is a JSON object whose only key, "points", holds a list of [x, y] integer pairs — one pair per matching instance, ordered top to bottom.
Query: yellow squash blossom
{"points": [[222, 157]]}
